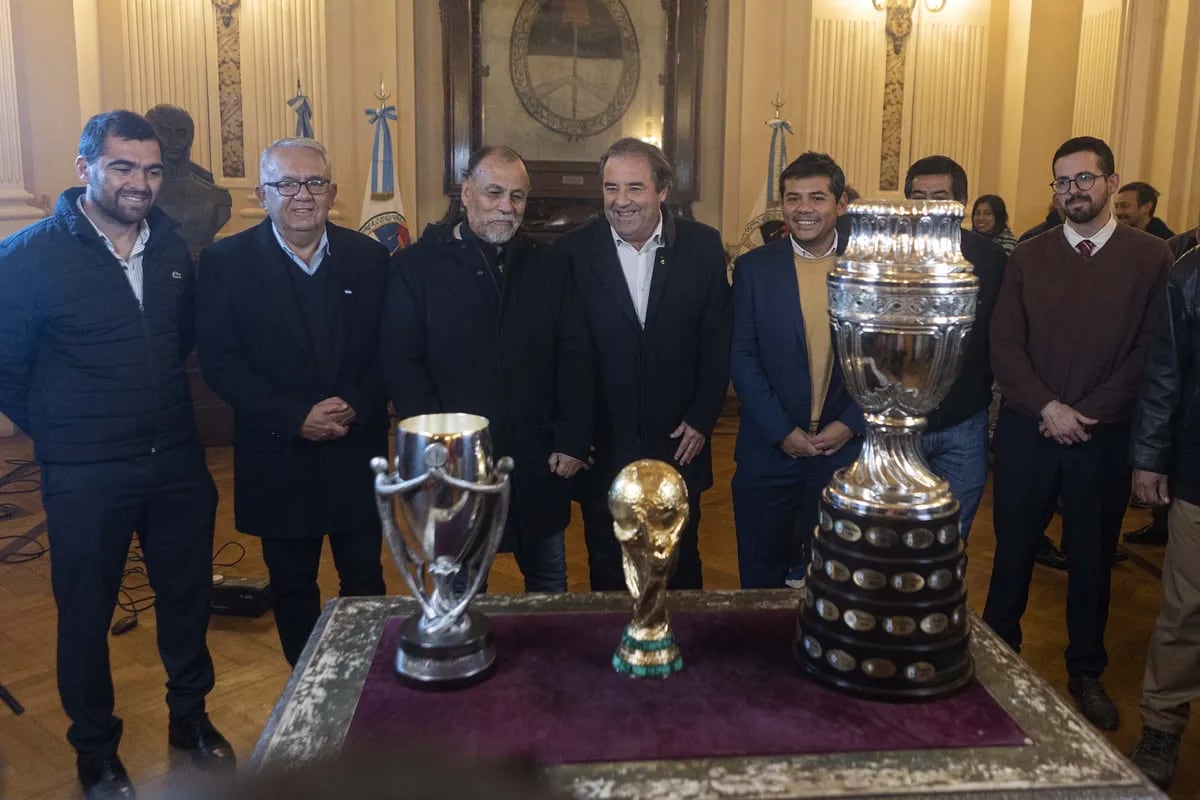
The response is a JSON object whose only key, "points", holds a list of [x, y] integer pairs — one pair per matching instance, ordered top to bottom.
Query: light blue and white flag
{"points": [[304, 113], [383, 210], [766, 218]]}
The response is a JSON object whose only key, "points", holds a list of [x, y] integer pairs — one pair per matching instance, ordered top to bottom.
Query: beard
{"points": [[110, 205], [1085, 211], [498, 230]]}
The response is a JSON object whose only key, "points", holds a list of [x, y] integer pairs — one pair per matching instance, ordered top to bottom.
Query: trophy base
{"points": [[884, 614], [647, 658], [453, 660], [952, 681]]}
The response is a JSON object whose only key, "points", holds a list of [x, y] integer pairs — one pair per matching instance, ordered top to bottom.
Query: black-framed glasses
{"points": [[1084, 180], [290, 188]]}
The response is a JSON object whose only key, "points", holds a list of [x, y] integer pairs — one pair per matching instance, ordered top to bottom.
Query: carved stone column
{"points": [[16, 209]]}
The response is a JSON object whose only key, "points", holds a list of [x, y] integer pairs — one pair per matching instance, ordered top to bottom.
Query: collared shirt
{"points": [[1097, 239], [799, 250], [318, 256], [131, 265], [638, 266]]}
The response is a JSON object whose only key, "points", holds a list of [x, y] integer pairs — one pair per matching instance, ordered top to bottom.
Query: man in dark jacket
{"points": [[1135, 205], [656, 296], [480, 319], [95, 321], [288, 334], [798, 419], [956, 435], [1165, 454]]}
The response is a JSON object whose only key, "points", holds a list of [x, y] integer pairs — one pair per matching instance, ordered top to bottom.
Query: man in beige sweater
{"points": [[798, 421]]}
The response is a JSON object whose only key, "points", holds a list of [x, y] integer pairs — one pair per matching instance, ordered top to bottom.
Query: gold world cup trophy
{"points": [[649, 505]]}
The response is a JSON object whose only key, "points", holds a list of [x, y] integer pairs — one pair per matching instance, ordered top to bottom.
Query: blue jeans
{"points": [[959, 455], [543, 562]]}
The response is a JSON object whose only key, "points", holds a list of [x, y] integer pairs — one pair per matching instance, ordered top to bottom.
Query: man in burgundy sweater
{"points": [[1070, 334]]}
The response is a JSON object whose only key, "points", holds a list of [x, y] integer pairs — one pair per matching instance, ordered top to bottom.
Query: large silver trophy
{"points": [[452, 503], [885, 611]]}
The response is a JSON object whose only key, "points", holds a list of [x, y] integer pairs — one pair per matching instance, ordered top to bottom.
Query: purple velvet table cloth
{"points": [[555, 699]]}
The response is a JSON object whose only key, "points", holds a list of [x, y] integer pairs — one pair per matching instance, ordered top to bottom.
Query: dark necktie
{"points": [[1085, 248]]}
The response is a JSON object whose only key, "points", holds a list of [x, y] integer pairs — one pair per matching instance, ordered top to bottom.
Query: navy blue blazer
{"points": [[769, 366]]}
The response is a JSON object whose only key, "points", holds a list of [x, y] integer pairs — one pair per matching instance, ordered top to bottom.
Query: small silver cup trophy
{"points": [[452, 503], [885, 611]]}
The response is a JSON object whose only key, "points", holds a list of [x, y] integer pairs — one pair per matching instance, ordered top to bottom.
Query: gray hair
{"points": [[293, 142], [501, 152], [661, 171]]}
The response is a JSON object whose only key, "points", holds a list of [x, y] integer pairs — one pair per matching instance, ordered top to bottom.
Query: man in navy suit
{"points": [[657, 303], [288, 334], [798, 421]]}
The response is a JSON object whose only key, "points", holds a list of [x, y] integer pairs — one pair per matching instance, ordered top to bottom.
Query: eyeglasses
{"points": [[1084, 180], [290, 188]]}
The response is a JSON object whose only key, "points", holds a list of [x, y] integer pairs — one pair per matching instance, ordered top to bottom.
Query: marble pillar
{"points": [[16, 203]]}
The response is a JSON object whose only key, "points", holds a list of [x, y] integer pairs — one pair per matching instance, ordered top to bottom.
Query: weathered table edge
{"points": [[1065, 756]]}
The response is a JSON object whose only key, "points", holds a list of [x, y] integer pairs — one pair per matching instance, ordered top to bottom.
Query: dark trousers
{"points": [[1093, 479], [92, 511], [774, 516], [604, 551], [292, 564]]}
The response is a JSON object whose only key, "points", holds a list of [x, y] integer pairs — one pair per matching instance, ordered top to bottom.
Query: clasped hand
{"points": [[328, 419], [1064, 424], [831, 438]]}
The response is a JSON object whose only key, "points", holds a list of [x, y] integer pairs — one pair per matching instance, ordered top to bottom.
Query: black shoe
{"points": [[1147, 534], [1050, 556], [1094, 701], [208, 747], [1156, 754], [104, 778]]}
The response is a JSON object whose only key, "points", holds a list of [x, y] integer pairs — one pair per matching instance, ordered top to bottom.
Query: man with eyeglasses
{"points": [[288, 334], [1070, 334]]}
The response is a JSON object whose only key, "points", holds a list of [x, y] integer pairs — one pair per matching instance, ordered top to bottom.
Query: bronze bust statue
{"points": [[189, 194]]}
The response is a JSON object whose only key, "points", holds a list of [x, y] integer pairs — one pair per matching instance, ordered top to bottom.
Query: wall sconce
{"points": [[933, 6], [651, 134]]}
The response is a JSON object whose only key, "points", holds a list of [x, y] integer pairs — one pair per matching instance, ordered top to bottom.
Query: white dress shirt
{"points": [[1097, 239], [799, 250], [318, 256], [131, 265], [638, 266]]}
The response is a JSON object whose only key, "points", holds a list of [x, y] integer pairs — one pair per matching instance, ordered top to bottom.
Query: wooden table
{"points": [[1064, 756]]}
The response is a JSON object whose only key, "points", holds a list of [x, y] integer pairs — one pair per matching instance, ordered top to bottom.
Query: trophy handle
{"points": [[386, 487], [503, 488]]}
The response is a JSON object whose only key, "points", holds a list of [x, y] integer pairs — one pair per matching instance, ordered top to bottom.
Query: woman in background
{"points": [[989, 217]]}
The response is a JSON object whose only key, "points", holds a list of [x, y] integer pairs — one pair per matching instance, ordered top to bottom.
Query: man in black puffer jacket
{"points": [[478, 318], [95, 321], [1165, 454]]}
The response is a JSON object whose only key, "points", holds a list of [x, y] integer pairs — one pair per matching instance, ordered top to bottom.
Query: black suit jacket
{"points": [[512, 348], [255, 352], [677, 368], [971, 391]]}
